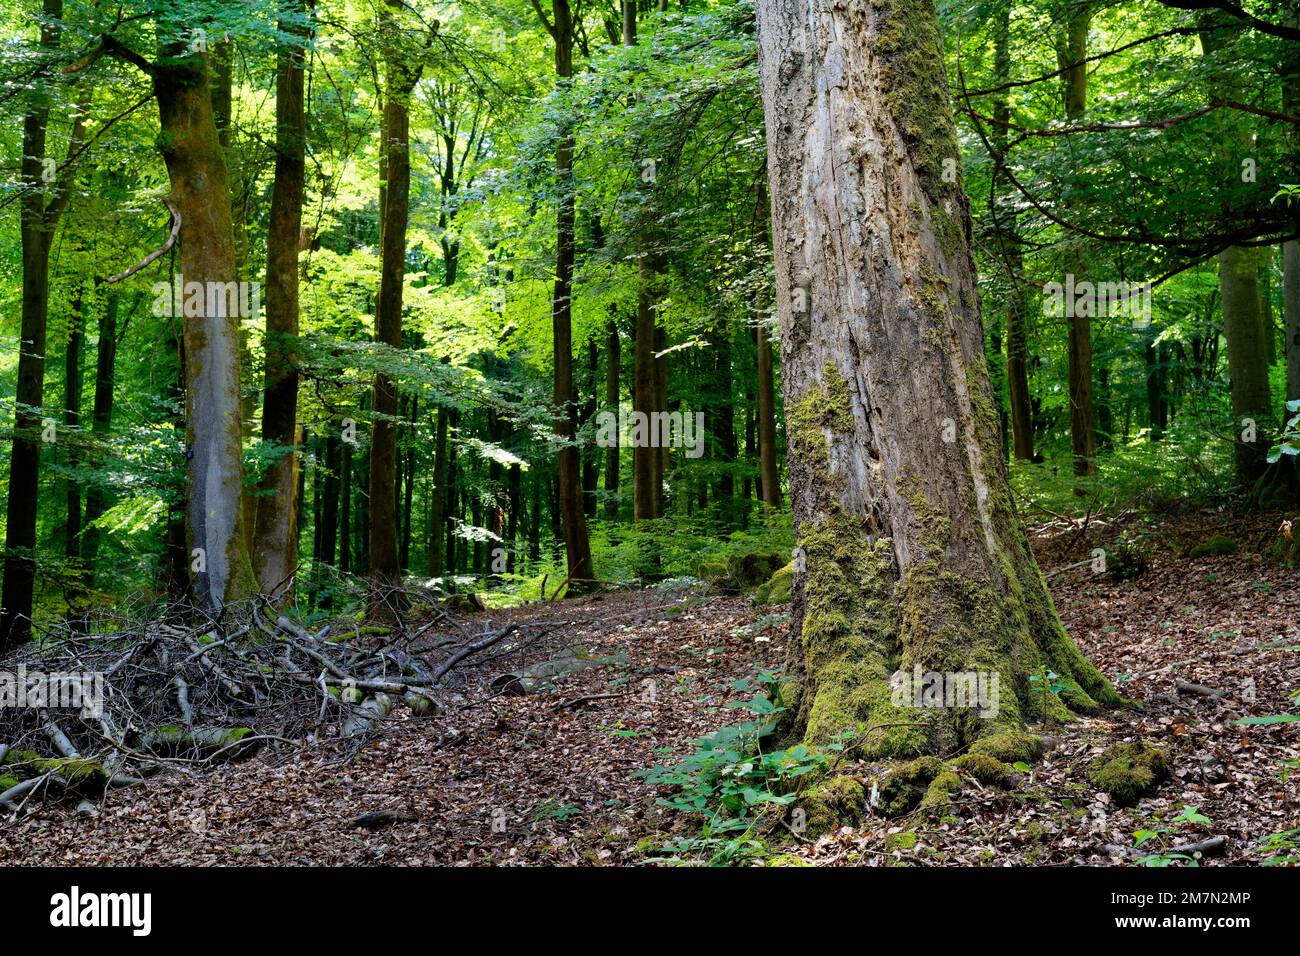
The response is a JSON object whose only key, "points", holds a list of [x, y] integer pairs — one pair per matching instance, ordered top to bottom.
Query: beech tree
{"points": [[43, 201], [276, 534], [912, 550]]}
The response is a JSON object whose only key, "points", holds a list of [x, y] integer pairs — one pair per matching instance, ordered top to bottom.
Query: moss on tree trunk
{"points": [[912, 551]]}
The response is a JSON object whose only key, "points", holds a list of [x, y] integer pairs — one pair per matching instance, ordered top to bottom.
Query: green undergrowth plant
{"points": [[731, 782], [1158, 837]]}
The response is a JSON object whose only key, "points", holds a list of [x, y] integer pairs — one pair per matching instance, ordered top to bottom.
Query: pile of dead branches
{"points": [[181, 689]]}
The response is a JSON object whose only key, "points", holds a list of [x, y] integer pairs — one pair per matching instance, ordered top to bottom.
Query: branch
{"points": [[541, 15], [1263, 26], [109, 45], [157, 253]]}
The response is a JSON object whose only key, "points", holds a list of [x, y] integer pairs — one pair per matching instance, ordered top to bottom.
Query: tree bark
{"points": [[1071, 53], [38, 215], [1008, 240], [1291, 315], [613, 358], [1247, 363], [72, 419], [437, 495], [97, 496], [215, 532], [577, 546], [913, 550], [275, 553], [385, 567]]}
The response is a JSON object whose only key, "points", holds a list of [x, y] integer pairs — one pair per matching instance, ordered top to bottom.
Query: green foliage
{"points": [[731, 781], [1159, 836]]}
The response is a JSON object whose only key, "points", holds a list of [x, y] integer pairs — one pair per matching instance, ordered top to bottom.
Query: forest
{"points": [[643, 433]]}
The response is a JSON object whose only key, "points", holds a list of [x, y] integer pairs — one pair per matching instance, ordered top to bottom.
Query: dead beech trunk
{"points": [[196, 167], [912, 548], [275, 551]]}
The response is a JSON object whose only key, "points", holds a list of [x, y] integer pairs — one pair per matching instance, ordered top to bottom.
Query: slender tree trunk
{"points": [[1071, 52], [38, 215], [1008, 241], [1291, 315], [613, 358], [1247, 365], [72, 419], [725, 427], [644, 455], [663, 455], [591, 462], [408, 477], [514, 477], [437, 495], [97, 496], [451, 497], [345, 511], [328, 529], [577, 546], [913, 550], [275, 552], [176, 554], [385, 568]]}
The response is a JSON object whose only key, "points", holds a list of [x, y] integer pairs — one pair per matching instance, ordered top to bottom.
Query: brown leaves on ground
{"points": [[550, 778]]}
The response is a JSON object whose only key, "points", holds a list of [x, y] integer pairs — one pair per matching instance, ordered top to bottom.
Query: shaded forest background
{"points": [[472, 228]]}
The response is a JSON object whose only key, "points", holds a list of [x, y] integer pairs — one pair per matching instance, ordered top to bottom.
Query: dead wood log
{"points": [[474, 648], [535, 677], [1187, 687], [363, 717], [173, 741], [379, 819]]}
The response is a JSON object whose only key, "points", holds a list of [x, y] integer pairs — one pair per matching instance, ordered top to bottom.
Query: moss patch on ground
{"points": [[1129, 772]]}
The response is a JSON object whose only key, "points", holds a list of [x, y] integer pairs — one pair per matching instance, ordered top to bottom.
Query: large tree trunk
{"points": [[1071, 52], [201, 194], [913, 551], [275, 553]]}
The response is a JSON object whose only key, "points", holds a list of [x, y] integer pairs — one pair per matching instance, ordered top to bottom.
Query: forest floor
{"points": [[551, 778]]}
